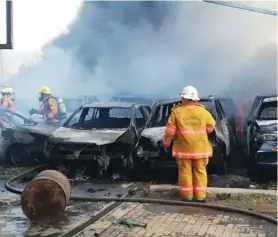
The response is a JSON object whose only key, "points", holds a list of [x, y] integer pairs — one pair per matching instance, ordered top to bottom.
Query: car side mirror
{"points": [[249, 123]]}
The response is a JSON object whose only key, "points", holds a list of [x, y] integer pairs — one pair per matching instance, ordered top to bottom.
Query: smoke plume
{"points": [[157, 48]]}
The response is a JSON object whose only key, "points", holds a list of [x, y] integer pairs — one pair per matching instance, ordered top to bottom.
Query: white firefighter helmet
{"points": [[190, 92]]}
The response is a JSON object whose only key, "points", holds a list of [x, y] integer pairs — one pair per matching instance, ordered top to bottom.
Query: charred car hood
{"points": [[268, 126], [39, 130], [154, 134], [99, 137]]}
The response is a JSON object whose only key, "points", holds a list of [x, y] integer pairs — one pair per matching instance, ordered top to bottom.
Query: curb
{"points": [[210, 190]]}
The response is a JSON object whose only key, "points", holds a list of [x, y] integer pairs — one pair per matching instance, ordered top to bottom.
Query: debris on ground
{"points": [[7, 172], [115, 177], [238, 180], [230, 181], [91, 190], [132, 191], [130, 224]]}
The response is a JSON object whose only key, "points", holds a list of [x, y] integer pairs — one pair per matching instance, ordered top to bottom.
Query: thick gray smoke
{"points": [[157, 48]]}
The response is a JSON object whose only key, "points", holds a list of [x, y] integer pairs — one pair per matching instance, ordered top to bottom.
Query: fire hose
{"points": [[273, 220]]}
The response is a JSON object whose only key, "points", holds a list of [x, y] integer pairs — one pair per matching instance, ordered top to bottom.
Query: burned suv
{"points": [[261, 131], [99, 134], [150, 151]]}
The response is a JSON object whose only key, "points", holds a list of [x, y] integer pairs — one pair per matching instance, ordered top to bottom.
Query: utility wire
{"points": [[244, 7]]}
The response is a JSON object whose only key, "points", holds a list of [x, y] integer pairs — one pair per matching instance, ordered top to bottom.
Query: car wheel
{"points": [[17, 155], [222, 162], [71, 167], [136, 169], [95, 170]]}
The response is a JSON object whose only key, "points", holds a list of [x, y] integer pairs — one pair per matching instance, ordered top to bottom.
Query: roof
{"points": [[143, 96], [263, 96], [221, 97], [270, 99], [171, 101], [108, 105]]}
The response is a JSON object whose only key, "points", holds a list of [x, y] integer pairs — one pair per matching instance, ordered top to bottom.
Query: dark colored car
{"points": [[230, 110], [261, 131], [100, 133], [150, 151]]}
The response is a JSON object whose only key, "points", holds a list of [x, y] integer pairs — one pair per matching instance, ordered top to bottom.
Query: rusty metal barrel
{"points": [[46, 197]]}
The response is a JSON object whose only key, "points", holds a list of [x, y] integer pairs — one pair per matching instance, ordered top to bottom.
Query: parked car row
{"points": [[130, 134]]}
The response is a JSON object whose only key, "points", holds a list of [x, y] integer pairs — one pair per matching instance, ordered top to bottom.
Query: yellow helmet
{"points": [[8, 90], [45, 90]]}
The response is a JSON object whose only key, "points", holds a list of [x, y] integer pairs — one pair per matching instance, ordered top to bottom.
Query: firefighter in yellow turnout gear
{"points": [[189, 124]]}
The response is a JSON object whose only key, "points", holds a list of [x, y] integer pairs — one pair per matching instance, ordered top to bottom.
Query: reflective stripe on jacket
{"points": [[188, 125]]}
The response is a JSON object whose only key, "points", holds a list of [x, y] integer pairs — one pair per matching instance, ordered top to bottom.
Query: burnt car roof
{"points": [[264, 96], [169, 101], [109, 105]]}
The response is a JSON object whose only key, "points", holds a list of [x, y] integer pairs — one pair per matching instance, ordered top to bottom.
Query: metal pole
{"points": [[9, 21], [9, 26], [1, 68]]}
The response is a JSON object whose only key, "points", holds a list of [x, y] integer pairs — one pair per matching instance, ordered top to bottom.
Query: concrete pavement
{"points": [[178, 221]]}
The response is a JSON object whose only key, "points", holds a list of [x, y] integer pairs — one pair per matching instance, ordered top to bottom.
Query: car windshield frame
{"points": [[83, 112]]}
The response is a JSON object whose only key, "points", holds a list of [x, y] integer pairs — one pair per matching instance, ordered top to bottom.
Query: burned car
{"points": [[138, 99], [261, 131], [100, 134], [21, 138], [150, 151]]}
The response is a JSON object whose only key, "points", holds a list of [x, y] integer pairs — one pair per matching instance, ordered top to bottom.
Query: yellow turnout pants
{"points": [[193, 178]]}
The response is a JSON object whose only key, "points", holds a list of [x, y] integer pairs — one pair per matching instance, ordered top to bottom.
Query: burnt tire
{"points": [[17, 155], [223, 163], [94, 170], [136, 170]]}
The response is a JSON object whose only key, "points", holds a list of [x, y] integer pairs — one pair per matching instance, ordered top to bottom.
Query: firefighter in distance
{"points": [[7, 99], [53, 109], [188, 126]]}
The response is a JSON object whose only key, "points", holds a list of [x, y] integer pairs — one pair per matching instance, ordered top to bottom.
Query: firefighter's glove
{"points": [[32, 111]]}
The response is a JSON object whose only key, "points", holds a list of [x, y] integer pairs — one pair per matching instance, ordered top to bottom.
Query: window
{"points": [[208, 105], [147, 111], [268, 111], [120, 112], [92, 113], [158, 116], [161, 116], [101, 118], [75, 119], [139, 119]]}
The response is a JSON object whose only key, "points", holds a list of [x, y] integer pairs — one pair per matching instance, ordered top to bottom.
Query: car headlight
{"points": [[267, 137]]}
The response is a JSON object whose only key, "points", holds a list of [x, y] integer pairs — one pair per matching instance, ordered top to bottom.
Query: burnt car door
{"points": [[141, 115], [248, 127], [226, 129], [7, 137]]}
